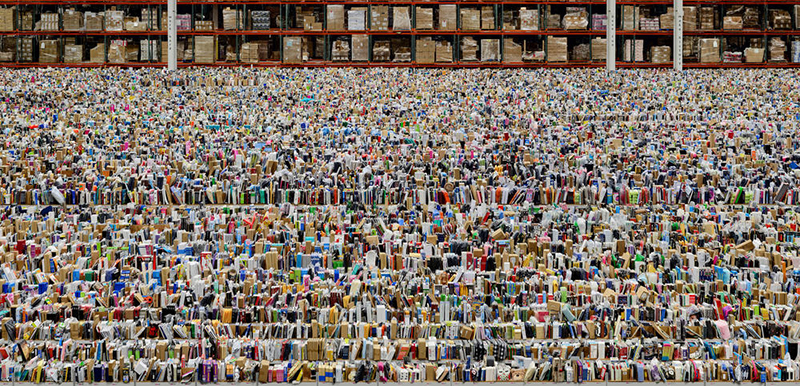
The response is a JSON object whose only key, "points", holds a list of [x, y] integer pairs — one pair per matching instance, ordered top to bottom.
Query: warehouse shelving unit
{"points": [[311, 33]]}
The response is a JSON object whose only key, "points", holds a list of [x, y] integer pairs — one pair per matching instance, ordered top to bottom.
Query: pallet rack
{"points": [[233, 39]]}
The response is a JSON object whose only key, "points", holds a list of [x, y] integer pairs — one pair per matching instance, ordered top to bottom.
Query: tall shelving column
{"points": [[172, 35], [611, 35], [677, 36]]}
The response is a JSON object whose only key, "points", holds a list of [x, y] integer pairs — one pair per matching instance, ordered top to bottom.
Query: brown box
{"points": [[401, 16], [335, 17], [424, 17], [487, 17], [380, 18], [689, 18], [707, 18], [7, 19], [232, 19], [470, 19], [528, 19], [73, 20], [115, 20], [448, 20], [667, 20], [93, 21], [576, 21], [732, 23], [360, 48], [599, 48], [205, 49], [556, 49], [292, 50], [426, 50], [709, 50], [48, 51], [469, 51], [340, 52], [444, 52], [490, 52], [512, 52], [98, 53], [73, 54], [661, 54], [753, 55]]}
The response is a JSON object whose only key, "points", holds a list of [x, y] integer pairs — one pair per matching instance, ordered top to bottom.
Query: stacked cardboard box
{"points": [[630, 14], [424, 17], [448, 17], [487, 17], [380, 18], [401, 18], [689, 18], [708, 18], [751, 18], [7, 19], [150, 19], [232, 19], [357, 19], [470, 19], [528, 19], [780, 19], [25, 20], [73, 20], [115, 20], [260, 20], [667, 20], [93, 21], [553, 21], [49, 22], [132, 23], [310, 23], [510, 23], [649, 23], [733, 23], [8, 48], [26, 49], [205, 49], [293, 49], [469, 49], [556, 49], [777, 49], [148, 50], [426, 50], [490, 50], [599, 50], [633, 50], [709, 50], [48, 51], [116, 51], [340, 51], [360, 51], [381, 51], [795, 51], [131, 52], [248, 52], [444, 52], [512, 52], [73, 53], [98, 53], [402, 53], [661, 54], [753, 55]]}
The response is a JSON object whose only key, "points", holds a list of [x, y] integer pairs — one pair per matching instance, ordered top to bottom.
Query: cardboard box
{"points": [[401, 16], [335, 17], [487, 17], [380, 18], [424, 18], [689, 18], [8, 19], [232, 19], [357, 19], [448, 19], [470, 19], [528, 19], [73, 20], [115, 20], [667, 20], [93, 21], [48, 22], [732, 23], [360, 48], [205, 49], [292, 49], [469, 49], [556, 49], [426, 50], [599, 50], [709, 50], [48, 51], [340, 51], [381, 51], [444, 52], [512, 52], [73, 53], [98, 53], [661, 54], [753, 55]]}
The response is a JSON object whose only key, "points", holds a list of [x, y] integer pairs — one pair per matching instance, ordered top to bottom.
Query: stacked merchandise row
{"points": [[645, 31], [302, 33], [741, 33]]}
